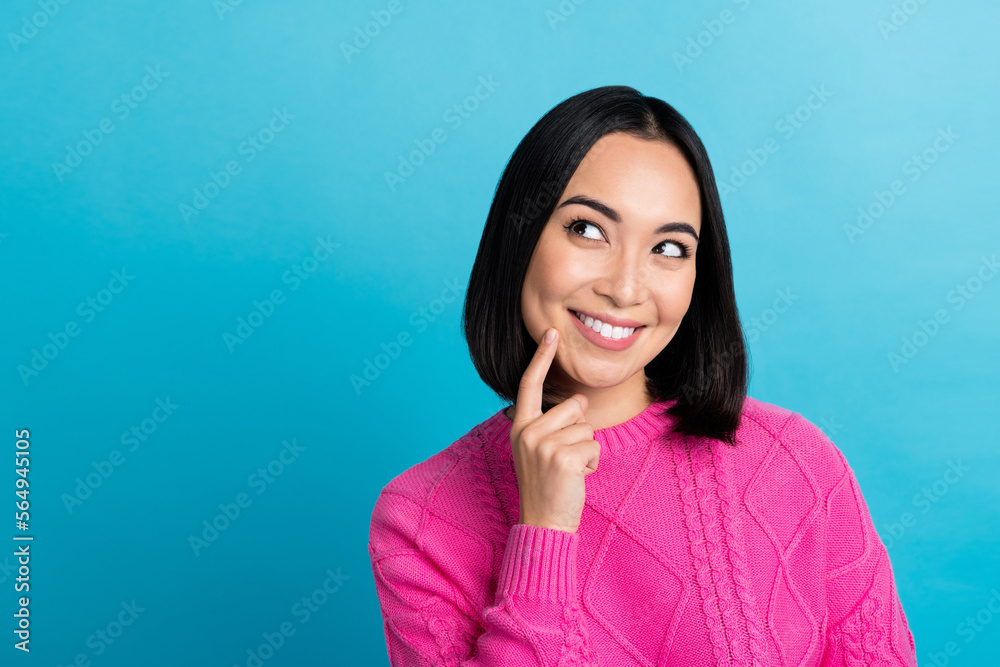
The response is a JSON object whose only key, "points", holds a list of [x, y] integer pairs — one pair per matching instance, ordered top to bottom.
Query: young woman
{"points": [[632, 506]]}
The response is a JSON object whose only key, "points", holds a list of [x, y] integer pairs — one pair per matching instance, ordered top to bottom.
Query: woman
{"points": [[713, 529]]}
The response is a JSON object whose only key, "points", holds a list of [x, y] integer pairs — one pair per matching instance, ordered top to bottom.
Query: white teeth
{"points": [[605, 329]]}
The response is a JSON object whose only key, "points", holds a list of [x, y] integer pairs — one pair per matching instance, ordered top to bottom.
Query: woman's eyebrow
{"points": [[614, 216]]}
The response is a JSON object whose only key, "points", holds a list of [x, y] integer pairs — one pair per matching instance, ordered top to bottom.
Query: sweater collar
{"points": [[638, 430]]}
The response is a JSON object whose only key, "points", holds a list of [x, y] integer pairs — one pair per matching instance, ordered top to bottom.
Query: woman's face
{"points": [[603, 254]]}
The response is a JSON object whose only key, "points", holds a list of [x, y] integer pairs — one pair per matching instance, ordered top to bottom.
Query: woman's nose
{"points": [[623, 281]]}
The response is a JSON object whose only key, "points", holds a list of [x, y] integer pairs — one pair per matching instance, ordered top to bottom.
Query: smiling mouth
{"points": [[605, 330]]}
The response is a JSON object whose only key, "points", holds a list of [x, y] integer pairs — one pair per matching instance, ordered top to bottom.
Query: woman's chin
{"points": [[600, 380]]}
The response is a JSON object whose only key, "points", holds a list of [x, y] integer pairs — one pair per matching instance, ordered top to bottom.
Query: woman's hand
{"points": [[552, 452]]}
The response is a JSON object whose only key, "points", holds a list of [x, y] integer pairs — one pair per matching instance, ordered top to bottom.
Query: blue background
{"points": [[351, 117]]}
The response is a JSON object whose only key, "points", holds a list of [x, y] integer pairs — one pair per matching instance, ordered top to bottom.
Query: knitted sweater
{"points": [[690, 553]]}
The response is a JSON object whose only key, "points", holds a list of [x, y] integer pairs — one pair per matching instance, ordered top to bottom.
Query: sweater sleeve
{"points": [[533, 618], [865, 621]]}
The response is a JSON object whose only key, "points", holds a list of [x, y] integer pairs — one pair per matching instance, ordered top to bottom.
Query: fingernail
{"points": [[550, 335]]}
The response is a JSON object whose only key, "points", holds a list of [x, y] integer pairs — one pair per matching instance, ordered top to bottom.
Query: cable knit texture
{"points": [[690, 553]]}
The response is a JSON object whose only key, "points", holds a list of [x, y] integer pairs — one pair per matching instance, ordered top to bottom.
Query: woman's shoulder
{"points": [[764, 416], [787, 434], [421, 478], [450, 483]]}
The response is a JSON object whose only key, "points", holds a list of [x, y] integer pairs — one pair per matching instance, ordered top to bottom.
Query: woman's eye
{"points": [[575, 226], [671, 248], [674, 249]]}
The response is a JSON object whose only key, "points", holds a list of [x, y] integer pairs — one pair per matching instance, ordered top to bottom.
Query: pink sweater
{"points": [[689, 553]]}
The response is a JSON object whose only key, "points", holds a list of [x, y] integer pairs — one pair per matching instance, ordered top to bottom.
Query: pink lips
{"points": [[601, 341]]}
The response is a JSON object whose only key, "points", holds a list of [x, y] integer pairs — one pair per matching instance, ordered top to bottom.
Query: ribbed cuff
{"points": [[539, 564]]}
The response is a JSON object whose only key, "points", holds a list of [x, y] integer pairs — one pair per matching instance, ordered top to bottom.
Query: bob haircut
{"points": [[704, 367]]}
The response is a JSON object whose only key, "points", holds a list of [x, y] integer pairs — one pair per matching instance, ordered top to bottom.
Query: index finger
{"points": [[529, 394]]}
